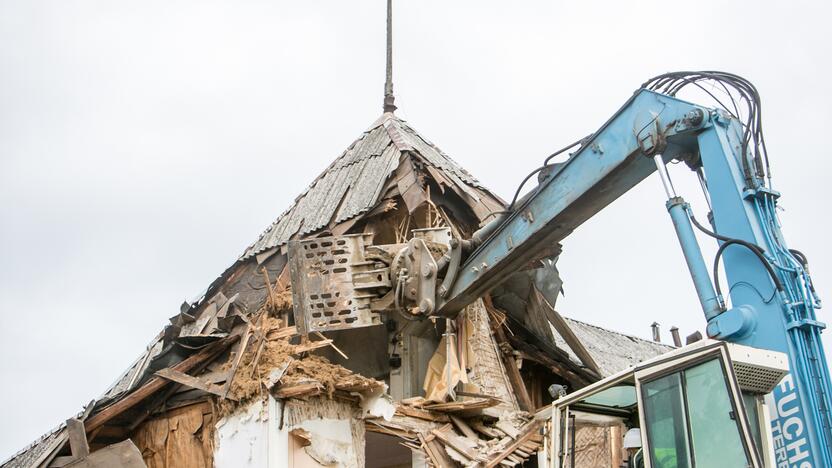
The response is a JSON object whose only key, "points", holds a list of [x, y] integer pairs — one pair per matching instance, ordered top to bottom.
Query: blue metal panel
{"points": [[600, 172], [801, 426]]}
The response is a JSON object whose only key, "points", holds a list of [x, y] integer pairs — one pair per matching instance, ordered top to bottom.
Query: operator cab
{"points": [[698, 406]]}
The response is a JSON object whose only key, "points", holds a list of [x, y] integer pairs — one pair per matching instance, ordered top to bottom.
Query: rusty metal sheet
{"points": [[325, 272]]}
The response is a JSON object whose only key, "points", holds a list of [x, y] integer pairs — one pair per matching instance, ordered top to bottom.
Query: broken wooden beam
{"points": [[565, 331], [278, 333], [309, 346], [237, 360], [512, 372], [190, 381], [156, 383], [303, 389], [463, 405], [405, 410], [463, 427], [529, 431], [78, 445], [464, 446], [435, 452], [123, 455]]}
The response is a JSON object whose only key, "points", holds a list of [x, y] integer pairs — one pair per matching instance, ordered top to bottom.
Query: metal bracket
{"points": [[454, 259], [424, 276]]}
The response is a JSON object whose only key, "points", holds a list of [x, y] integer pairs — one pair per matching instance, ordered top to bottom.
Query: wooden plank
{"points": [[564, 330], [278, 333], [261, 336], [332, 345], [302, 348], [237, 360], [513, 373], [190, 381], [156, 383], [298, 390], [463, 405], [421, 414], [463, 427], [507, 428], [484, 430], [528, 432], [77, 438], [462, 445], [435, 452], [123, 455]]}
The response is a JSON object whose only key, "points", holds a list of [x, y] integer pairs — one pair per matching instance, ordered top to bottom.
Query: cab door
{"points": [[691, 414]]}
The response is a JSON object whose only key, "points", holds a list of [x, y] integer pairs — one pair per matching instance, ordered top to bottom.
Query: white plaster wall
{"points": [[250, 438]]}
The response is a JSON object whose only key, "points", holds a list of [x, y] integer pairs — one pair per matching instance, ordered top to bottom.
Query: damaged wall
{"points": [[333, 429], [181, 438]]}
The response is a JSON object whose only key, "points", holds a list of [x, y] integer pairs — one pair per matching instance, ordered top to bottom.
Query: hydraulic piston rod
{"points": [[678, 209]]}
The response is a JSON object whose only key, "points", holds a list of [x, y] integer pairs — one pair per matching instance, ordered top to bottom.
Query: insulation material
{"points": [[436, 380], [251, 383], [334, 430], [180, 438]]}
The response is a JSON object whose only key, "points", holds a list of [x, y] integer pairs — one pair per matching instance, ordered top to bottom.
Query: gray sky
{"points": [[143, 145]]}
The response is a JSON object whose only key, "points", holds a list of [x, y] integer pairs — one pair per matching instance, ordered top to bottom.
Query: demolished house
{"points": [[248, 377]]}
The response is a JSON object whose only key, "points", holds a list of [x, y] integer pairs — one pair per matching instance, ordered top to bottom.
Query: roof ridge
{"points": [[607, 330]]}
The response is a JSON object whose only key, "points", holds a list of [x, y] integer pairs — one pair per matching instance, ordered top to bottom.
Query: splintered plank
{"points": [[565, 331], [279, 333], [309, 346], [237, 360], [190, 381], [156, 383], [304, 389], [463, 405], [421, 414], [463, 427], [484, 430], [528, 432], [77, 438], [462, 445], [435, 452]]}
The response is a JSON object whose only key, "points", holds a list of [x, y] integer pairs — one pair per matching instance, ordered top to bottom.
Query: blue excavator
{"points": [[763, 329]]}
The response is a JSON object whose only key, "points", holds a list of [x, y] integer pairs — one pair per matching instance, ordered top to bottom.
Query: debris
{"points": [[277, 373], [190, 381], [155, 384], [79, 447], [123, 454]]}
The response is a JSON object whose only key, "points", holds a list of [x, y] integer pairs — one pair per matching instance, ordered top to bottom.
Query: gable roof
{"points": [[353, 183]]}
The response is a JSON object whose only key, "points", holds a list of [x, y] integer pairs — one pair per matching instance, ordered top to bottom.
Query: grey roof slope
{"points": [[353, 183], [350, 186], [611, 350]]}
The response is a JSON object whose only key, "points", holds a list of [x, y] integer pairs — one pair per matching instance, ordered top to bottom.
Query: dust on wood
{"points": [[252, 382]]}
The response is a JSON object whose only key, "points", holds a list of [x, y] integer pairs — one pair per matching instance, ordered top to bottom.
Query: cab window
{"points": [[691, 420]]}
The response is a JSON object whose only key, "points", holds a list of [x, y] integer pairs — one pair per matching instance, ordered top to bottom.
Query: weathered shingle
{"points": [[352, 184], [612, 351]]}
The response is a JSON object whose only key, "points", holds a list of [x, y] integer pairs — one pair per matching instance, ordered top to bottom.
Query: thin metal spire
{"points": [[389, 100]]}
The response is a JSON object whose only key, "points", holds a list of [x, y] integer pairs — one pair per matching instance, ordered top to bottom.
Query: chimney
{"points": [[656, 335], [693, 337], [677, 340]]}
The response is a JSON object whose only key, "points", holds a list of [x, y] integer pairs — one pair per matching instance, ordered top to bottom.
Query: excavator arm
{"points": [[772, 300]]}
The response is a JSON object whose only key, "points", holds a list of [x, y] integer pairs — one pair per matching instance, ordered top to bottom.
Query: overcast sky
{"points": [[144, 145]]}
